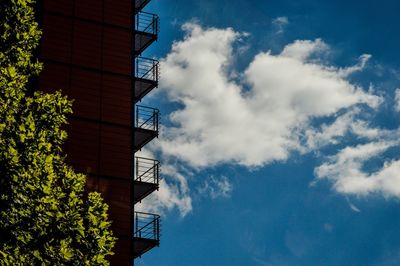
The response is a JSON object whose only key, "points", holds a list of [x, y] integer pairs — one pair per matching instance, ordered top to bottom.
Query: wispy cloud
{"points": [[280, 23], [397, 100], [344, 124], [346, 170], [214, 187], [173, 193], [168, 197], [352, 206]]}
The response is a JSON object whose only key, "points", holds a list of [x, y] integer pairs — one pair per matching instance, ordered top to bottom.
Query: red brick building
{"points": [[91, 50]]}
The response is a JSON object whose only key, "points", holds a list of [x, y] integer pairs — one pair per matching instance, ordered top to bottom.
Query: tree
{"points": [[45, 218]]}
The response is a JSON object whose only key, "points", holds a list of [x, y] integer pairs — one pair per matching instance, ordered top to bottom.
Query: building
{"points": [[91, 50]]}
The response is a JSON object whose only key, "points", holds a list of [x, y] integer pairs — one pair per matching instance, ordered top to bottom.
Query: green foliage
{"points": [[44, 217]]}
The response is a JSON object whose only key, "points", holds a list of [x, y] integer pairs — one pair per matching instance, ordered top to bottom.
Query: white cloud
{"points": [[281, 20], [280, 23], [304, 49], [345, 72], [397, 100], [263, 115], [223, 121], [363, 129], [329, 133], [333, 133], [345, 170], [216, 187], [173, 193], [167, 198], [354, 207]]}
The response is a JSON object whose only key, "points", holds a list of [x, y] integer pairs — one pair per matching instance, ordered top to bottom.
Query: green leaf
{"points": [[46, 219]]}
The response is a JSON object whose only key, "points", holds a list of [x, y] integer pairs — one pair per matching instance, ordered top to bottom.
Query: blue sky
{"points": [[280, 133]]}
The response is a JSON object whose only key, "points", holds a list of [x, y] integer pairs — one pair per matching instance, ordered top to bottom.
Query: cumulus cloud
{"points": [[263, 115], [259, 119], [346, 170]]}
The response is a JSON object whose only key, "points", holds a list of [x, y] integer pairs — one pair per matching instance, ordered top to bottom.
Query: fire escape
{"points": [[146, 226]]}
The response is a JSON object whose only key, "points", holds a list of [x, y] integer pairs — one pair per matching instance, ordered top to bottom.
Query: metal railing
{"points": [[147, 22], [146, 68], [147, 118], [147, 170], [147, 226]]}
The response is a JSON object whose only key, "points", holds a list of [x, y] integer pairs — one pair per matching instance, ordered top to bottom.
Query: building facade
{"points": [[91, 50]]}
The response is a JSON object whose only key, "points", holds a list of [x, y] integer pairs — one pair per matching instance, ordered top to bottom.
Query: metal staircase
{"points": [[146, 31], [146, 76], [146, 125], [147, 177], [146, 226], [147, 232]]}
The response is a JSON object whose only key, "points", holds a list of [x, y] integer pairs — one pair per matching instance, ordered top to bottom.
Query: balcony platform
{"points": [[146, 30], [143, 40], [146, 76], [143, 87], [146, 126], [142, 137], [147, 177], [142, 190], [147, 233], [142, 245]]}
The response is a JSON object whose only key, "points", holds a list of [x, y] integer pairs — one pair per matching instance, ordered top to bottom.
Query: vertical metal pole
{"points": [[137, 20], [153, 24], [154, 71], [157, 71], [136, 73], [137, 116], [154, 120], [157, 122], [137, 168], [158, 173], [154, 228], [158, 228]]}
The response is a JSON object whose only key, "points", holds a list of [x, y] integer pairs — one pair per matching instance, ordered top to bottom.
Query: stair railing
{"points": [[147, 22], [147, 68], [147, 118], [147, 170], [147, 226]]}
